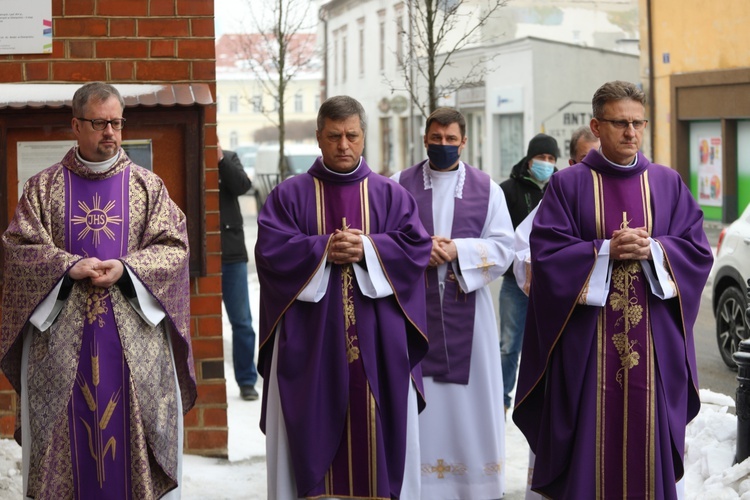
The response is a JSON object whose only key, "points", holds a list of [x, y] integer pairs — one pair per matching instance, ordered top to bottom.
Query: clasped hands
{"points": [[630, 244], [346, 247], [443, 251], [103, 274]]}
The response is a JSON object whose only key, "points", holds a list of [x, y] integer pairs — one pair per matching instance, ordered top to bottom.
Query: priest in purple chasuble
{"points": [[340, 256], [619, 259], [95, 320], [462, 430]]}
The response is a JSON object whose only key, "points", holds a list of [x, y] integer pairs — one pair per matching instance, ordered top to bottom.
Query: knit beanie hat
{"points": [[542, 144]]}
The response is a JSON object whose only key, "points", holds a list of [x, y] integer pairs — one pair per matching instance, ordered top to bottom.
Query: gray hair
{"points": [[616, 91], [94, 92], [339, 108], [584, 133]]}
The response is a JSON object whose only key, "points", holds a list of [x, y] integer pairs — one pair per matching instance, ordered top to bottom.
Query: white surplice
{"points": [[462, 429]]}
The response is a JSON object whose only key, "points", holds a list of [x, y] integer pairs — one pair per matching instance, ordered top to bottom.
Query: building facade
{"points": [[696, 69], [528, 85], [246, 100]]}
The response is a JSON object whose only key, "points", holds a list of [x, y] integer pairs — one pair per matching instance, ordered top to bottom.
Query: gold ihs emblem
{"points": [[96, 220]]}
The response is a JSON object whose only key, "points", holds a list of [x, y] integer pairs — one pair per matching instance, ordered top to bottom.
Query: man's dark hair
{"points": [[615, 91], [94, 92], [339, 108], [446, 116], [584, 133]]}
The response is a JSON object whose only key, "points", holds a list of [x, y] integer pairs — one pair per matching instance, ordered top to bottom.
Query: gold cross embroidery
{"points": [[625, 222], [486, 264], [347, 276], [441, 468]]}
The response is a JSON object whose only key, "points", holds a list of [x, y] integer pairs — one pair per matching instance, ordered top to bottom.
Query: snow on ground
{"points": [[709, 470]]}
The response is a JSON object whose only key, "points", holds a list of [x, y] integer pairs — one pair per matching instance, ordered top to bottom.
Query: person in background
{"points": [[582, 141], [234, 182], [522, 190], [340, 256], [95, 333], [608, 378], [462, 430]]}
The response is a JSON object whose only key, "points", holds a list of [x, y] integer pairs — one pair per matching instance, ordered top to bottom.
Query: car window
{"points": [[248, 160], [300, 163]]}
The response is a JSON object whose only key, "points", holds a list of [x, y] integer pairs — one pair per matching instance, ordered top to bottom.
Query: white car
{"points": [[299, 158], [730, 274]]}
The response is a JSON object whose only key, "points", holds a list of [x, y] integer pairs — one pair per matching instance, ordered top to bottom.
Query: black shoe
{"points": [[248, 393]]}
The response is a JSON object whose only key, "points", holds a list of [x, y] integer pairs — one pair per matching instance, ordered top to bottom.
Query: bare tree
{"points": [[436, 31], [279, 45]]}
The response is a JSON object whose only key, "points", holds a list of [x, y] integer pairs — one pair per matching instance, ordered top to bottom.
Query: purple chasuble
{"points": [[97, 226], [450, 327], [624, 353], [344, 363], [604, 393]]}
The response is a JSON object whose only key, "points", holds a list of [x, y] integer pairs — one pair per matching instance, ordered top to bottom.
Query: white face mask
{"points": [[542, 170]]}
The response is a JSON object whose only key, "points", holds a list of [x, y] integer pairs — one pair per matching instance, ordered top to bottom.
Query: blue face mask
{"points": [[442, 156], [542, 170]]}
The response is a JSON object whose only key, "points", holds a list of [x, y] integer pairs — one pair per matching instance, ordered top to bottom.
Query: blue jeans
{"points": [[237, 303], [513, 304]]}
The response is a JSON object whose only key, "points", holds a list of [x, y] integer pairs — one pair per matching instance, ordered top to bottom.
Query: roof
{"points": [[235, 51], [58, 95]]}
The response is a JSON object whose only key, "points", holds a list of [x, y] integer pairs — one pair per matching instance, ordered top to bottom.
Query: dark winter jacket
{"points": [[233, 182], [521, 194]]}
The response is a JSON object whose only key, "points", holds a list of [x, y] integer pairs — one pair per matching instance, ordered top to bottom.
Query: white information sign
{"points": [[25, 27], [35, 156]]}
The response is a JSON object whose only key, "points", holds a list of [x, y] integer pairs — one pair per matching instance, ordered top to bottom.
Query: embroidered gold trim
{"points": [[96, 220], [486, 264], [623, 276], [96, 305], [442, 469]]}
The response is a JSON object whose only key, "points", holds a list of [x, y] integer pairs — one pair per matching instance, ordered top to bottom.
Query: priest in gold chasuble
{"points": [[95, 324]]}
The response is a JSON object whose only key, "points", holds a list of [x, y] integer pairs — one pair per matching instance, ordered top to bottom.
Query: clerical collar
{"points": [[631, 164], [98, 166], [343, 173], [428, 174]]}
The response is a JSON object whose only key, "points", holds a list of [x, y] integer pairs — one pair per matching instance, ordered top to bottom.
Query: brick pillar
{"points": [[147, 41]]}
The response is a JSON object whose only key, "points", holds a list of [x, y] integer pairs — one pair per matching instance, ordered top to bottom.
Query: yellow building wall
{"points": [[697, 36], [245, 121]]}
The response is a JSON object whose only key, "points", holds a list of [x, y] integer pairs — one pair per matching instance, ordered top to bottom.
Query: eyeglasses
{"points": [[100, 124], [623, 124]]}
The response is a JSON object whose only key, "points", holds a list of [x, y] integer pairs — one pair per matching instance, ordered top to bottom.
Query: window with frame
{"points": [[361, 27], [381, 54], [256, 102]]}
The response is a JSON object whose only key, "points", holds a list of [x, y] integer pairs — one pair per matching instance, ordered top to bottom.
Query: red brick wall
{"points": [[147, 41]]}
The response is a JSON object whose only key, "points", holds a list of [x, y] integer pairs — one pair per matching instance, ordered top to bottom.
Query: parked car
{"points": [[299, 158], [730, 274]]}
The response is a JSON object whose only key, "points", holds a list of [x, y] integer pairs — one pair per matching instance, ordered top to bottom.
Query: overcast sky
{"points": [[231, 15]]}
